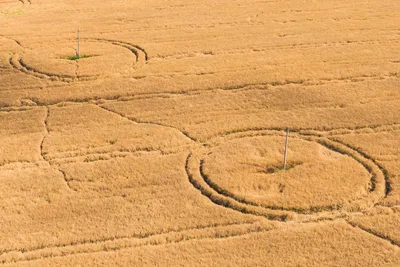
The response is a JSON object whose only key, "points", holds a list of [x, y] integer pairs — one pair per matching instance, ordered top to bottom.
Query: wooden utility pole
{"points": [[79, 45], [286, 149]]}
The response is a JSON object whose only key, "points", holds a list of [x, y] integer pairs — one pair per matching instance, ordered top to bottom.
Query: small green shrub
{"points": [[77, 57]]}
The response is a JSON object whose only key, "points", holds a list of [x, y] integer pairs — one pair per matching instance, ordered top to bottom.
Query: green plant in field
{"points": [[77, 57], [276, 168]]}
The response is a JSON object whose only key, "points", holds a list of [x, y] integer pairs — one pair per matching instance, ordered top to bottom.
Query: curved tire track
{"points": [[18, 63], [377, 190]]}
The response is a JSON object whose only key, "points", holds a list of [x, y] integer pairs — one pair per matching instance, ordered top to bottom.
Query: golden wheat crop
{"points": [[161, 142]]}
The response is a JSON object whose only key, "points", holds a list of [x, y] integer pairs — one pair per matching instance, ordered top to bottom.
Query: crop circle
{"points": [[98, 58], [251, 169], [322, 176]]}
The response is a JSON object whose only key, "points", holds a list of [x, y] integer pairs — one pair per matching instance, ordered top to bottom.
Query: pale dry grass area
{"points": [[163, 145]]}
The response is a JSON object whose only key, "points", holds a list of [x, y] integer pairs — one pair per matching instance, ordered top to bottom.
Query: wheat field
{"points": [[162, 142]]}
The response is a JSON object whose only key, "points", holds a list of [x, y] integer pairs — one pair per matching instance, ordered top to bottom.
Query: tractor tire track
{"points": [[132, 47], [19, 64], [239, 87], [148, 123], [43, 154], [388, 183], [376, 192], [228, 194], [225, 202], [375, 233], [136, 240]]}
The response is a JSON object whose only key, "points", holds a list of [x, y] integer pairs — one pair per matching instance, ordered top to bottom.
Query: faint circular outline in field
{"points": [[18, 63], [223, 197]]}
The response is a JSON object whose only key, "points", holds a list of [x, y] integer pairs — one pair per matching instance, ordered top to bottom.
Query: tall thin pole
{"points": [[79, 45], [286, 149]]}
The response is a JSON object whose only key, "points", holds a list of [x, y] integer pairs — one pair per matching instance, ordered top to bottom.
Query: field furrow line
{"points": [[132, 47], [239, 87], [148, 123], [317, 132], [43, 154], [365, 155], [109, 156], [228, 194], [220, 196], [225, 202], [312, 209], [375, 233], [138, 240]]}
